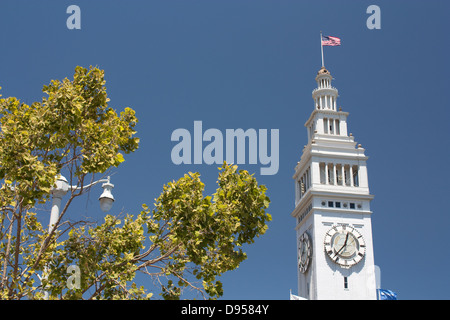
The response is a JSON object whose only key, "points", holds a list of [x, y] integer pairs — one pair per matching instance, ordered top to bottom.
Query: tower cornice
{"points": [[326, 90], [324, 112], [330, 147], [302, 204]]}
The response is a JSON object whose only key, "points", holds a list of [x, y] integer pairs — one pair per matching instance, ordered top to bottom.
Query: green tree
{"points": [[186, 242]]}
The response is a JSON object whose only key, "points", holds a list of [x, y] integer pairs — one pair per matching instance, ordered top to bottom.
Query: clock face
{"points": [[344, 245], [304, 252]]}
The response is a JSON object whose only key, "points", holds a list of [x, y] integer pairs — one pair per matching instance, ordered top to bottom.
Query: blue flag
{"points": [[386, 295]]}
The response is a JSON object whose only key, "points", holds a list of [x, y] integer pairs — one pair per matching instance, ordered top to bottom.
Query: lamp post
{"points": [[62, 187], [60, 190]]}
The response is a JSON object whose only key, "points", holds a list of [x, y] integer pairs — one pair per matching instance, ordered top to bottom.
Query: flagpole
{"points": [[321, 48]]}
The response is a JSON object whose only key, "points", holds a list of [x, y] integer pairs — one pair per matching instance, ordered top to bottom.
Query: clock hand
{"points": [[343, 246]]}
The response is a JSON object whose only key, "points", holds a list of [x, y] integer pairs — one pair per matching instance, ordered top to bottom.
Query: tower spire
{"points": [[325, 96]]}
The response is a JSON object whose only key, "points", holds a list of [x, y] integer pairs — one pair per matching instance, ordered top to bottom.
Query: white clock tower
{"points": [[332, 206]]}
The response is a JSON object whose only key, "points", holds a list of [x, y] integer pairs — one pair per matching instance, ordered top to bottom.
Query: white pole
{"points": [[321, 48], [62, 186], [54, 215]]}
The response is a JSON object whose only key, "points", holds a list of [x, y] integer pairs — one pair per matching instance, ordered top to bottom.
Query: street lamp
{"points": [[62, 187], [60, 190], [106, 198]]}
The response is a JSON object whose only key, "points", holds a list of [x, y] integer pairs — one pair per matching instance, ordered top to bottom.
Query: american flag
{"points": [[330, 41]]}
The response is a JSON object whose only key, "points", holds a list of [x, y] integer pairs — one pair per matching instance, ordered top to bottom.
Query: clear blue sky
{"points": [[251, 64]]}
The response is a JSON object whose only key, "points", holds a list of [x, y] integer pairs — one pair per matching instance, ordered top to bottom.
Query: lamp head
{"points": [[106, 198]]}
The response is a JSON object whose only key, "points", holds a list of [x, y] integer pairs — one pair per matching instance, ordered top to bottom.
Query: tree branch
{"points": [[17, 247], [8, 248]]}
